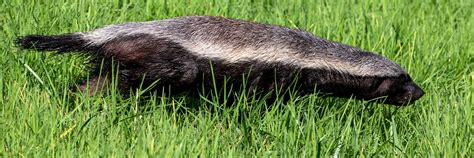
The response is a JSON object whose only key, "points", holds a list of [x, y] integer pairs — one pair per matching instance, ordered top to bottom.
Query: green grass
{"points": [[432, 40]]}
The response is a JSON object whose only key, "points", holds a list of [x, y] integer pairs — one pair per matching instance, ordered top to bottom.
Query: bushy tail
{"points": [[59, 43]]}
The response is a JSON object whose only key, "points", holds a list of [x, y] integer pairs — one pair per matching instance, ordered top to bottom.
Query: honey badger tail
{"points": [[59, 43]]}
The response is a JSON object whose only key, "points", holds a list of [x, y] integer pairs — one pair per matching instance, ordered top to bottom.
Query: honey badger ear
{"points": [[382, 87], [385, 87]]}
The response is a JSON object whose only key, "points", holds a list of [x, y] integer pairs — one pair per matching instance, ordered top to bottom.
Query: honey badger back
{"points": [[182, 52]]}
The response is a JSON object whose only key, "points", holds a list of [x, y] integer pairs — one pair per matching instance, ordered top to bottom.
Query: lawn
{"points": [[433, 41]]}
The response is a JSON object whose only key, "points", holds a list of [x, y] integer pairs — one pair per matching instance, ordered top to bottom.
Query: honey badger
{"points": [[187, 52]]}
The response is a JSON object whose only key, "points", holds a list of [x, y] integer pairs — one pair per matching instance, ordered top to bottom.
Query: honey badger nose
{"points": [[417, 92]]}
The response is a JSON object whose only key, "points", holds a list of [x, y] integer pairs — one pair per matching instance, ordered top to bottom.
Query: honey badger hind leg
{"points": [[69, 43], [144, 60], [93, 86]]}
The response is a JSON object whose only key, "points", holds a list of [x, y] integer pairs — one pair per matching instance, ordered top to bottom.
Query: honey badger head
{"points": [[364, 75], [399, 90]]}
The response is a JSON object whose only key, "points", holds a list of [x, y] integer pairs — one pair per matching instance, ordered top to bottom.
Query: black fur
{"points": [[59, 43], [145, 58]]}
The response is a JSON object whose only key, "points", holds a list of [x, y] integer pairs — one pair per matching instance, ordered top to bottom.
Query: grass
{"points": [[432, 40]]}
